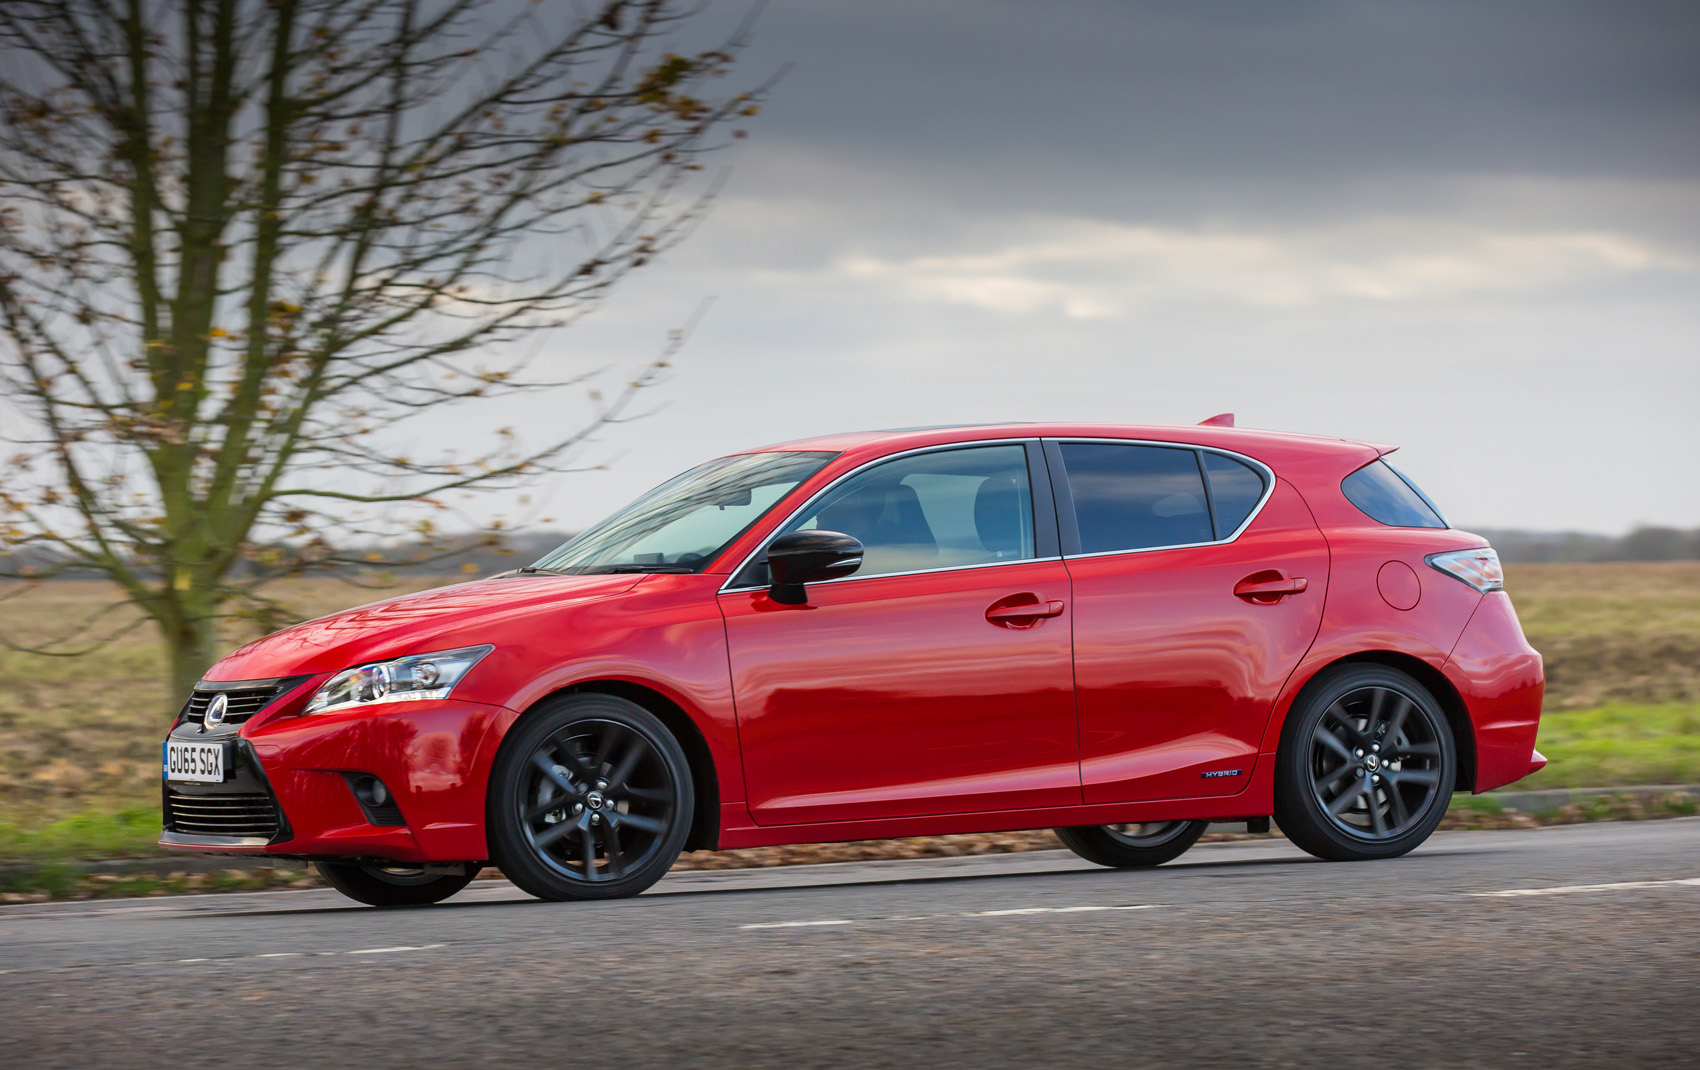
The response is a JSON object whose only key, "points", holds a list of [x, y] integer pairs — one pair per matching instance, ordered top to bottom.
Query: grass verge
{"points": [[1619, 745], [127, 833]]}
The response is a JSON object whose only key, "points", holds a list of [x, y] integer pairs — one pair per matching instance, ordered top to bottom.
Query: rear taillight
{"points": [[1478, 568]]}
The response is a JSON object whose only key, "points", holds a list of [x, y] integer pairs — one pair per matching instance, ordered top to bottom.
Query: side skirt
{"points": [[1257, 800]]}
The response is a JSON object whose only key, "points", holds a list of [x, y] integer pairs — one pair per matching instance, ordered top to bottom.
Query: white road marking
{"points": [[1573, 889], [1044, 910], [1013, 912], [156, 963]]}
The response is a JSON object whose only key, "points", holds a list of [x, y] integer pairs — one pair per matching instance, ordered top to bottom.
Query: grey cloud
{"points": [[1293, 90], [1471, 228]]}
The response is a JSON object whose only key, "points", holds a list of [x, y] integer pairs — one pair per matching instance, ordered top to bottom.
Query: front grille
{"points": [[244, 701], [225, 814]]}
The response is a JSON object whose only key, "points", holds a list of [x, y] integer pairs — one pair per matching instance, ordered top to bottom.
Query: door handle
{"points": [[1273, 590], [1025, 612]]}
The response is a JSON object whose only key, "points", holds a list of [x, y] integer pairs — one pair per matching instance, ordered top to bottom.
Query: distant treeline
{"points": [[1642, 544], [1514, 545], [515, 549], [468, 555], [476, 556]]}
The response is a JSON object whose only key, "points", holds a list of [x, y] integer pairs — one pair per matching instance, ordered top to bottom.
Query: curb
{"points": [[1552, 800], [1546, 801], [163, 866]]}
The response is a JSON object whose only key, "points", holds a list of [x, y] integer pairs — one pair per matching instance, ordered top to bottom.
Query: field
{"points": [[79, 736]]}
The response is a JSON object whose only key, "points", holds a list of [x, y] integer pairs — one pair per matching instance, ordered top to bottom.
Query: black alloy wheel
{"points": [[1366, 767], [591, 798], [1133, 845], [398, 885]]}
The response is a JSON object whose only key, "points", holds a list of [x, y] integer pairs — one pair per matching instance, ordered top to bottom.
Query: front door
{"points": [[1188, 619], [937, 679]]}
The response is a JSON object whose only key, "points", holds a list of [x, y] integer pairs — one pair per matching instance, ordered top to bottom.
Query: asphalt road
{"points": [[1576, 945]]}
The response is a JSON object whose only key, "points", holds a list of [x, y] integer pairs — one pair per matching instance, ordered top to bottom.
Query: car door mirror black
{"points": [[809, 557]]}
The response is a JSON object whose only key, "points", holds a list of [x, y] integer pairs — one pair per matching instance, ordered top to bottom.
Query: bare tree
{"points": [[242, 242]]}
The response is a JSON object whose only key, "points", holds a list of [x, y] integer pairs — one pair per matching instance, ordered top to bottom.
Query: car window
{"points": [[1235, 490], [1135, 497], [1386, 497], [944, 509], [686, 522]]}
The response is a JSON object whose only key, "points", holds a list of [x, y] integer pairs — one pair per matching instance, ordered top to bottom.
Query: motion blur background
{"points": [[1472, 229]]}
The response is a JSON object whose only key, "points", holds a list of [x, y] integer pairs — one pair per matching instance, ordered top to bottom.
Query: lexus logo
{"points": [[216, 709]]}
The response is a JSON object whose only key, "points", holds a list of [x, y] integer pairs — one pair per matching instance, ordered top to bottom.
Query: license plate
{"points": [[201, 762]]}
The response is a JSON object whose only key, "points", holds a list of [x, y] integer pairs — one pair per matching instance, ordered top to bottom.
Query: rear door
{"points": [[1198, 585]]}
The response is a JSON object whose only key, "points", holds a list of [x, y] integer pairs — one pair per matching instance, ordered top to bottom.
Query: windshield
{"points": [[684, 523]]}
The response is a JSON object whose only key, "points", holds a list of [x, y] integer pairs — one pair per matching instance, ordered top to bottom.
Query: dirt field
{"points": [[1613, 633], [83, 732], [80, 734]]}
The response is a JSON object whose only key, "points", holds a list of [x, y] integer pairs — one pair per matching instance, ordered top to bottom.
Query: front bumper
{"points": [[306, 774], [241, 813]]}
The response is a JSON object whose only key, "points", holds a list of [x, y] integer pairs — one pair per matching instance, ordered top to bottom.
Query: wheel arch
{"points": [[1451, 702], [705, 779]]}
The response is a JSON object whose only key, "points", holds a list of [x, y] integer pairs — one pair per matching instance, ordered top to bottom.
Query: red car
{"points": [[1120, 632]]}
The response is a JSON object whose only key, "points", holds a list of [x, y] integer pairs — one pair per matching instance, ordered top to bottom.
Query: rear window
{"points": [[1384, 495], [1136, 497]]}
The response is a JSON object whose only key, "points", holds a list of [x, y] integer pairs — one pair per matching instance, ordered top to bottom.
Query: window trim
{"points": [[1036, 491], [1065, 495], [1209, 495]]}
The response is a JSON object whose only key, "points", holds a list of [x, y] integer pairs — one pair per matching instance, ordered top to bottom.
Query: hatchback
{"points": [[1123, 633]]}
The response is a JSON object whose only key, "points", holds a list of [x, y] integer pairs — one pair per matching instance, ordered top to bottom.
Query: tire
{"points": [[1365, 767], [590, 798], [1133, 846], [393, 886]]}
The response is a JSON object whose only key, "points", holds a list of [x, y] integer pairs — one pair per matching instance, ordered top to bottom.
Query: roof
{"points": [[1267, 446]]}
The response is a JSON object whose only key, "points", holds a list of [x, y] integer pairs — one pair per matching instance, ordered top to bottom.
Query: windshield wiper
{"points": [[679, 569], [533, 570]]}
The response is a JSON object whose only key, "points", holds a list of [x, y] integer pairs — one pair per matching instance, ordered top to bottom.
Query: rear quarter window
{"points": [[1235, 490], [1386, 497]]}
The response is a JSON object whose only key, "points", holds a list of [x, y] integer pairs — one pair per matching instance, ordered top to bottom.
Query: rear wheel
{"points": [[1366, 765], [590, 798], [1148, 843], [394, 886]]}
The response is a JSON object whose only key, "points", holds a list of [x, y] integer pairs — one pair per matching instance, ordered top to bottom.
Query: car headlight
{"points": [[411, 679]]}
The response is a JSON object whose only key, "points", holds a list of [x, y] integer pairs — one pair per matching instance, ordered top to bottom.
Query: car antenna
{"points": [[1221, 419]]}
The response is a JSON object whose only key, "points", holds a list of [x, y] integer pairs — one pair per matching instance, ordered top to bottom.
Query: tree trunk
{"points": [[191, 642]]}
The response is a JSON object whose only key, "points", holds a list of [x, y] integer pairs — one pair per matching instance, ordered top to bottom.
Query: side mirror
{"points": [[809, 557]]}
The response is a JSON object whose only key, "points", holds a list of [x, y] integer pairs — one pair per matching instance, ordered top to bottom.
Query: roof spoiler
{"points": [[1226, 419]]}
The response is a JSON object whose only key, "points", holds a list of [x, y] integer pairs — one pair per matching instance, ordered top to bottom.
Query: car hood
{"points": [[397, 626]]}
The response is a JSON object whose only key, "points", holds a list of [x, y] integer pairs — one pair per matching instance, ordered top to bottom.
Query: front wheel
{"points": [[1366, 765], [590, 798], [1148, 843], [394, 886]]}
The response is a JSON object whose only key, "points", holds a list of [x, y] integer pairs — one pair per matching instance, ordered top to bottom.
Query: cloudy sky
{"points": [[1471, 228]]}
